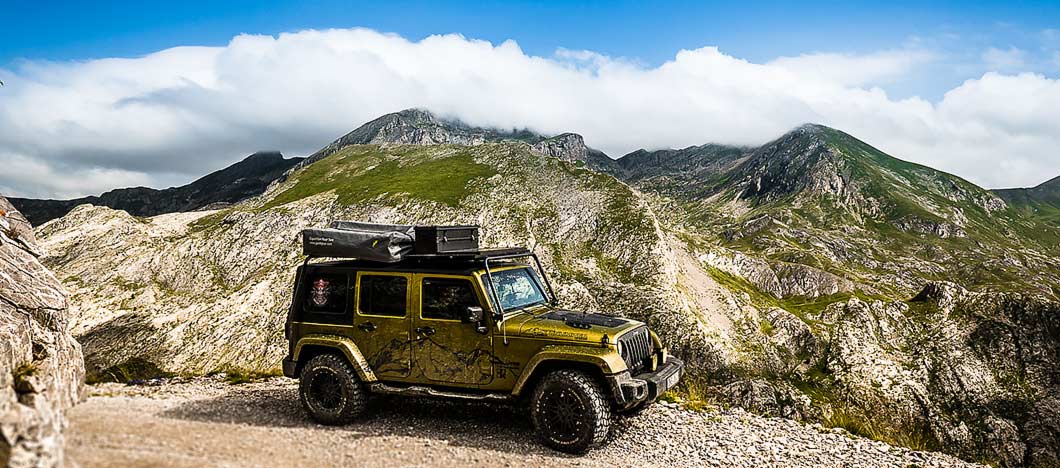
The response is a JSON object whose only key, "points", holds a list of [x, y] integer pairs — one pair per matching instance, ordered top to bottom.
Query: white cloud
{"points": [[1004, 59], [855, 70], [179, 113]]}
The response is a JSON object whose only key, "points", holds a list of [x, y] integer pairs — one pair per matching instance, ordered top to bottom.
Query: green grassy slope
{"points": [[821, 198], [1041, 202]]}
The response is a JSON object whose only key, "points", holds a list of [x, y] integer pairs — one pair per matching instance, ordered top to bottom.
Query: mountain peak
{"points": [[416, 113], [409, 127], [421, 127], [811, 127], [262, 156], [843, 177], [244, 179], [1042, 201]]}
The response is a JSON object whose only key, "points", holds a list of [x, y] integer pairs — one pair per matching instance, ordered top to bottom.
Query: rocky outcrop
{"points": [[568, 147], [571, 147], [235, 183], [941, 229], [779, 279], [41, 368], [978, 374], [774, 399]]}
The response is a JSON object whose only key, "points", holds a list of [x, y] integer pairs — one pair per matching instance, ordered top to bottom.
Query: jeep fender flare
{"points": [[339, 343], [605, 359]]}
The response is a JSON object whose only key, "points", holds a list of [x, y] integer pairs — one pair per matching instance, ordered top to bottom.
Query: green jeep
{"points": [[474, 325]]}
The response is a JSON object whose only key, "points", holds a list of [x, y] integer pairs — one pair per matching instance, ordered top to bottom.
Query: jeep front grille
{"points": [[635, 348]]}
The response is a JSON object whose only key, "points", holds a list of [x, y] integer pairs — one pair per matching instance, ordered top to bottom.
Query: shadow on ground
{"points": [[487, 426]]}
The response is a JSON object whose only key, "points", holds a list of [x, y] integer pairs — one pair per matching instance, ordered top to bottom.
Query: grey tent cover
{"points": [[366, 241]]}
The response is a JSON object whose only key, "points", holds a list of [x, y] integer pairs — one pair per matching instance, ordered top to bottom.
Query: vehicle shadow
{"points": [[504, 428]]}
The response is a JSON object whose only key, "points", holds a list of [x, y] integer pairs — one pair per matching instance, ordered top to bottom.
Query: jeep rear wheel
{"points": [[330, 390], [570, 412]]}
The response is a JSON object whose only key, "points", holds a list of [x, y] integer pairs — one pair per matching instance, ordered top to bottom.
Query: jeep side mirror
{"points": [[474, 314]]}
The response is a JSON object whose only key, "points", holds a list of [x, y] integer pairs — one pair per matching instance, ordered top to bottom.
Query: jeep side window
{"points": [[326, 293], [383, 295], [447, 298]]}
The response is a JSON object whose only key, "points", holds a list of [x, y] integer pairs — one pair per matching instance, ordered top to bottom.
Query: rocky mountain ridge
{"points": [[421, 127], [673, 172], [232, 184], [819, 200], [1042, 201], [783, 275], [41, 368]]}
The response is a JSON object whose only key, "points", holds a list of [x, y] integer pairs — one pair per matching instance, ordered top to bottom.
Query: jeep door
{"points": [[382, 322], [448, 350]]}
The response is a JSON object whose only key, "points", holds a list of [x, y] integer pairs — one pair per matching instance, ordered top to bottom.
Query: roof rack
{"points": [[476, 254]]}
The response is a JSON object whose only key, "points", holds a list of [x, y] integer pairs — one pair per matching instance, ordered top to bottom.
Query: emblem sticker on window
{"points": [[321, 292], [326, 294]]}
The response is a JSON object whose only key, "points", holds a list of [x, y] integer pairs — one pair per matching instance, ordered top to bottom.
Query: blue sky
{"points": [[646, 32], [115, 94]]}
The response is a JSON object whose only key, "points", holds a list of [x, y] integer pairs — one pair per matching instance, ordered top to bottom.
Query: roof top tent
{"points": [[399, 243]]}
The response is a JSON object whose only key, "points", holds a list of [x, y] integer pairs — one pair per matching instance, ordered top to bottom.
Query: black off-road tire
{"points": [[330, 390], [570, 411]]}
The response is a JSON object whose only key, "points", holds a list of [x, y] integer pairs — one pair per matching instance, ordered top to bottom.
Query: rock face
{"points": [[568, 147], [571, 147], [237, 182], [41, 369], [976, 373]]}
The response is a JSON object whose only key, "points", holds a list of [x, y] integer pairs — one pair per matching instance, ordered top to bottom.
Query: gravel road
{"points": [[206, 422]]}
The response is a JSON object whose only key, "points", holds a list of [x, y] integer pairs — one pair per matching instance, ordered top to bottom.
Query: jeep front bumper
{"points": [[630, 391]]}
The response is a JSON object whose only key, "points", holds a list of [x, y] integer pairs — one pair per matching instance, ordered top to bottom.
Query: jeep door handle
{"points": [[367, 326], [426, 331]]}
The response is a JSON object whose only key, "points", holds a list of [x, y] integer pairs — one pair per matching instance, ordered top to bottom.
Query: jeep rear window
{"points": [[326, 294], [383, 295], [447, 298]]}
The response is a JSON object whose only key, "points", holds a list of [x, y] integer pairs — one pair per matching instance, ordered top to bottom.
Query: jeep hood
{"points": [[569, 325]]}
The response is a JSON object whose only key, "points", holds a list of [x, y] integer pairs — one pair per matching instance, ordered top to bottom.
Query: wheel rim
{"points": [[326, 390], [563, 415]]}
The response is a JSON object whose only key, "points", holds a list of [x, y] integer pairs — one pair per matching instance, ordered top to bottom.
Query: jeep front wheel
{"points": [[330, 390], [570, 412]]}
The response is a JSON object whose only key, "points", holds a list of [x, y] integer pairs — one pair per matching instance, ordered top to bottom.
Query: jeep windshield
{"points": [[518, 288]]}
